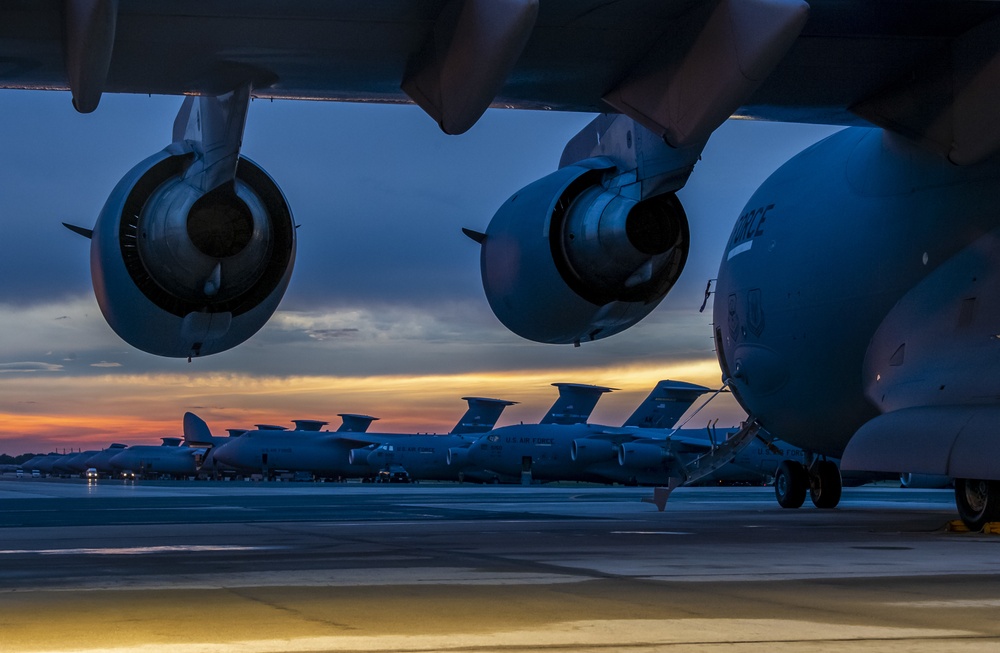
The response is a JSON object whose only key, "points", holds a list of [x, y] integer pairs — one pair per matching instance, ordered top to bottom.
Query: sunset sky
{"points": [[385, 314]]}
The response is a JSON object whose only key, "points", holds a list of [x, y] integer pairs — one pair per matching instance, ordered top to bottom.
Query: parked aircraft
{"points": [[857, 308], [900, 323], [545, 450], [340, 454], [628, 454], [444, 458], [167, 459], [101, 461], [46, 463], [73, 464]]}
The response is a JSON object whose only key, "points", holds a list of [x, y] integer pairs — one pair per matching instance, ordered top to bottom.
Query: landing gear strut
{"points": [[821, 480], [978, 502]]}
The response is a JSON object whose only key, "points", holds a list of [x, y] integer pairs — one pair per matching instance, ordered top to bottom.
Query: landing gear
{"points": [[822, 480], [790, 484], [825, 485], [978, 502]]}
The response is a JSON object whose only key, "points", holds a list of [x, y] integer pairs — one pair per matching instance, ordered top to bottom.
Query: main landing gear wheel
{"points": [[790, 484], [825, 485], [978, 502]]}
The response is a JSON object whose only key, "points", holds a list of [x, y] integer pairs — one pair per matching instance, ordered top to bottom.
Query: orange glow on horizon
{"points": [[93, 412]]}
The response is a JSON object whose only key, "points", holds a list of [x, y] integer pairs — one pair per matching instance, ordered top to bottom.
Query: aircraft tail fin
{"points": [[575, 403], [665, 405], [481, 416], [355, 423], [196, 431]]}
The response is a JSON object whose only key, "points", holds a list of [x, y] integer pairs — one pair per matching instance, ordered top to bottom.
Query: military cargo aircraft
{"points": [[857, 299], [335, 454]]}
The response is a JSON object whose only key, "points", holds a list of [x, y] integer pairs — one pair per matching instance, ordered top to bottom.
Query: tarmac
{"points": [[260, 567]]}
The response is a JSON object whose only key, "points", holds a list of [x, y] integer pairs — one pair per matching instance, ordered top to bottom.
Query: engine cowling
{"points": [[572, 257], [179, 272], [588, 451], [363, 456], [457, 456], [642, 456], [925, 481]]}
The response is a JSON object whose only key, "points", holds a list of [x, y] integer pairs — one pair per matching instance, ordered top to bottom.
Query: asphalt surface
{"points": [[253, 567]]}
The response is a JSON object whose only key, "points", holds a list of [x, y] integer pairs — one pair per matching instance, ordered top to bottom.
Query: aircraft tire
{"points": [[791, 481], [825, 485], [978, 502]]}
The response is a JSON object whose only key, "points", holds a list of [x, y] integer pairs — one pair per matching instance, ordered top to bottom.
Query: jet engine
{"points": [[575, 257], [180, 272], [588, 451], [364, 456], [457, 456], [641, 456], [925, 481]]}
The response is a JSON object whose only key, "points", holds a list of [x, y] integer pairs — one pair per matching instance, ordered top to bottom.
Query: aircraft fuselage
{"points": [[860, 279]]}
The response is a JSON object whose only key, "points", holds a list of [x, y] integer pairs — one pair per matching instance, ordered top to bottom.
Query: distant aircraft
{"points": [[859, 294], [574, 405], [579, 451], [337, 454], [425, 456], [167, 459], [101, 461], [46, 463], [73, 464]]}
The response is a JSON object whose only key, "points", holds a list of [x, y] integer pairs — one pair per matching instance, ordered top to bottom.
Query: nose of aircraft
{"points": [[228, 453]]}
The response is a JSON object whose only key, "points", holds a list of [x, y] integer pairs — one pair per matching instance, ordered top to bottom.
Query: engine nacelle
{"points": [[572, 257], [179, 272], [588, 451], [363, 456], [457, 456], [642, 456], [925, 481]]}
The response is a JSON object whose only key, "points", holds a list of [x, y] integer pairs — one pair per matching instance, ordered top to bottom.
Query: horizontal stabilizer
{"points": [[575, 403], [665, 405], [481, 416], [355, 423], [308, 424]]}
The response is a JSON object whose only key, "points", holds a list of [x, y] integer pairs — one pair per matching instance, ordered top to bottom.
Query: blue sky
{"points": [[385, 313]]}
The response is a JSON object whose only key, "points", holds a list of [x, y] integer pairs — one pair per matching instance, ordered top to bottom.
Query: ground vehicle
{"points": [[19, 473], [36, 474], [91, 474], [393, 474], [128, 475]]}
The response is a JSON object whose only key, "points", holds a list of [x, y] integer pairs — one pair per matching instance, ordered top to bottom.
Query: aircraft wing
{"points": [[679, 67], [617, 436], [356, 440]]}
